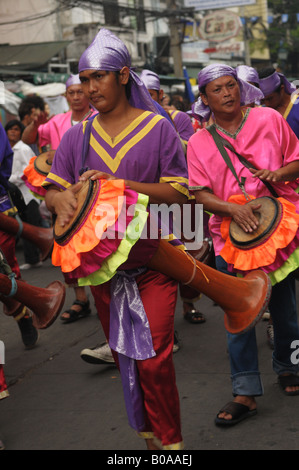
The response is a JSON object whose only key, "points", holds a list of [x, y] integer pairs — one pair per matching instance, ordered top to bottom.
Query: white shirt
{"points": [[22, 154]]}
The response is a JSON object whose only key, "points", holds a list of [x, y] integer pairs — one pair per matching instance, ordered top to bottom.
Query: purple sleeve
{"points": [[184, 126], [173, 165]]}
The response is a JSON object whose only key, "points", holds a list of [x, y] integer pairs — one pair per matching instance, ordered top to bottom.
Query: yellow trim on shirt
{"points": [[294, 97], [174, 113], [130, 128], [113, 163], [170, 179], [58, 180], [181, 189]]}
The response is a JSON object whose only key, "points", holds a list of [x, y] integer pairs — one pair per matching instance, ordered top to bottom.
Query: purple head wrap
{"points": [[107, 52], [248, 74], [150, 79], [73, 80], [270, 84], [249, 93]]}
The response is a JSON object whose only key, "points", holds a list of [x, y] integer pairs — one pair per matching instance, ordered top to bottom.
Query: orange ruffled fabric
{"points": [[33, 177], [264, 254], [68, 256]]}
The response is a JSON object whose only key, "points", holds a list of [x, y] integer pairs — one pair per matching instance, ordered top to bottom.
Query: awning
{"points": [[29, 56], [38, 78], [169, 80]]}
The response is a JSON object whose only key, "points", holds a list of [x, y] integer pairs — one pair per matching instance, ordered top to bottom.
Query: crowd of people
{"points": [[238, 142]]}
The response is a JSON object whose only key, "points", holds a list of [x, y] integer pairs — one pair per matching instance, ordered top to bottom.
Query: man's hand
{"points": [[96, 175], [266, 175], [65, 203], [244, 216]]}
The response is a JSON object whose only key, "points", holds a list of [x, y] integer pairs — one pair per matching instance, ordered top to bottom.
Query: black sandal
{"points": [[74, 315], [194, 316], [290, 380], [238, 413]]}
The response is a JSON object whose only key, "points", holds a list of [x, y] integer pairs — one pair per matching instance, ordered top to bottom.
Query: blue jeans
{"points": [[242, 348]]}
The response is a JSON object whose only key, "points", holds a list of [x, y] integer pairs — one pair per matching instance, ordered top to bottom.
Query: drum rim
{"points": [[41, 172], [93, 186], [267, 232]]}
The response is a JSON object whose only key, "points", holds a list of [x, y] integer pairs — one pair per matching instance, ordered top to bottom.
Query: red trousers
{"points": [[8, 247], [157, 375], [3, 387]]}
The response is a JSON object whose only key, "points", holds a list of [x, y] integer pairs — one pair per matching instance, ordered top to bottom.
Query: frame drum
{"points": [[43, 162], [85, 197], [269, 215]]}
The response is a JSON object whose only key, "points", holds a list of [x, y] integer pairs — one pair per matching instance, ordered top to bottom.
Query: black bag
{"points": [[15, 195], [17, 198]]}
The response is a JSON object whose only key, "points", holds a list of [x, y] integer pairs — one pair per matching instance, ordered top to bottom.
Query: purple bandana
{"points": [[107, 52], [248, 74], [150, 79], [73, 80], [270, 84], [249, 93]]}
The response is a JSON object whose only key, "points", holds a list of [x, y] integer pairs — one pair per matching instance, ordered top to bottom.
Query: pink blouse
{"points": [[264, 138]]}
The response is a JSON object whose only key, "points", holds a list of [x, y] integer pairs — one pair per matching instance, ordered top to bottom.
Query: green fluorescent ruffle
{"points": [[37, 196], [111, 264], [290, 265]]}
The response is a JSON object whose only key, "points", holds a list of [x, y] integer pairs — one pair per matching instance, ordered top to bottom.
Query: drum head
{"points": [[43, 162], [85, 198], [268, 214]]}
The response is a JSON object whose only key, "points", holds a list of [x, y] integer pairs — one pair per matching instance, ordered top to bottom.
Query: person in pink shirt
{"points": [[50, 132], [264, 151]]}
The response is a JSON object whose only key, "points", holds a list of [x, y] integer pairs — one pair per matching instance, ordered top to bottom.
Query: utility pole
{"points": [[246, 37], [175, 40], [246, 45]]}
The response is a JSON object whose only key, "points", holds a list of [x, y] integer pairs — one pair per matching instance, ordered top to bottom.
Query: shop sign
{"points": [[219, 26]]}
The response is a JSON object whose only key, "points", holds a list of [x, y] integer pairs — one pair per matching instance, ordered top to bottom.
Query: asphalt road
{"points": [[59, 402]]}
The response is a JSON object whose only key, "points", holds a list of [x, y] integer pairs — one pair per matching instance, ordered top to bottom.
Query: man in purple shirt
{"points": [[130, 141]]}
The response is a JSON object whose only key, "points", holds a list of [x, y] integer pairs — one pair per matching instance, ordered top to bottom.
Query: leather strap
{"points": [[85, 145], [221, 145]]}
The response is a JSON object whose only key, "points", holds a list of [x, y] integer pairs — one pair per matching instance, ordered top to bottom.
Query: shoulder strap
{"points": [[221, 144], [85, 146]]}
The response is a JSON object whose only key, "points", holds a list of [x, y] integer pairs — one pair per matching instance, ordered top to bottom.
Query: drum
{"points": [[43, 162], [37, 171], [85, 199], [268, 215], [103, 233], [270, 245], [93, 255], [16, 294]]}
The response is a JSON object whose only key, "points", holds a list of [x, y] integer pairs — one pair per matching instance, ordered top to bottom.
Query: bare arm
{"points": [[30, 134], [289, 172], [158, 192]]}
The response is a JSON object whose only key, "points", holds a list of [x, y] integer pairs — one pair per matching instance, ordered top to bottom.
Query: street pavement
{"points": [[59, 402]]}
